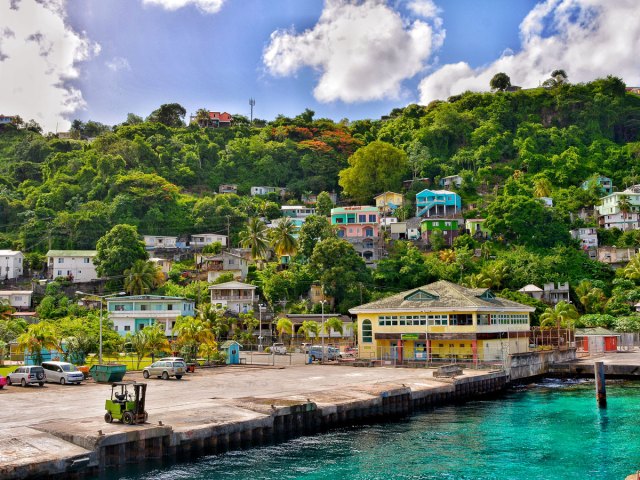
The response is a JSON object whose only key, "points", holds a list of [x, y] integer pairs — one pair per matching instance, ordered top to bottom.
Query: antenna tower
{"points": [[252, 103]]}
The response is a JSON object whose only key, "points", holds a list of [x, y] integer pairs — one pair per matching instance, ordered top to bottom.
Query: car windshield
{"points": [[69, 368]]}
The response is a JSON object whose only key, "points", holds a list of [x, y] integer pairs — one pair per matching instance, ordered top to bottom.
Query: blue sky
{"points": [[100, 59]]}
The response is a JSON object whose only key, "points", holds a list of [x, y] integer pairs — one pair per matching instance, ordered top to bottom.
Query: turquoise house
{"points": [[437, 203], [131, 314]]}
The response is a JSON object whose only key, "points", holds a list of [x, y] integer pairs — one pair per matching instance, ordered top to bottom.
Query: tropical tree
{"points": [[202, 117], [541, 187], [324, 204], [624, 205], [314, 229], [254, 237], [282, 238], [118, 250], [447, 256], [632, 270], [142, 277], [5, 311], [563, 315], [335, 324], [284, 326], [310, 328], [192, 333], [38, 337], [156, 339], [139, 343]]}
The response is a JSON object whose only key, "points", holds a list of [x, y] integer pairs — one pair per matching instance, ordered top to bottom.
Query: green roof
{"points": [[353, 209], [71, 253], [597, 331]]}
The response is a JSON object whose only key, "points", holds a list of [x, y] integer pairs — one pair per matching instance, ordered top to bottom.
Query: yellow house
{"points": [[387, 202], [442, 320]]}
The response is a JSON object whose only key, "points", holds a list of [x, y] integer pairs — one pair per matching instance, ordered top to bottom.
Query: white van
{"points": [[279, 349], [62, 372]]}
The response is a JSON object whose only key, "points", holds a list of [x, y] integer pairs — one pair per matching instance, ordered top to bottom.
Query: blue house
{"points": [[604, 183], [437, 203], [130, 314]]}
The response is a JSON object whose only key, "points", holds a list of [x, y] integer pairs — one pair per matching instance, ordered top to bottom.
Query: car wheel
{"points": [[313, 359], [145, 374], [165, 376], [178, 377], [8, 380], [62, 381], [23, 382], [41, 384], [108, 417], [127, 417]]}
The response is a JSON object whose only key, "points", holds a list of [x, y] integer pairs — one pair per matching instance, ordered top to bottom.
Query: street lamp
{"points": [[101, 297], [322, 302], [260, 307]]}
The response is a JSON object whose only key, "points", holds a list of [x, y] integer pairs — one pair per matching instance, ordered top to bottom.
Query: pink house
{"points": [[358, 225]]}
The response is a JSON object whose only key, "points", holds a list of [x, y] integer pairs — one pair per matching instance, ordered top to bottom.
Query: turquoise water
{"points": [[551, 431]]}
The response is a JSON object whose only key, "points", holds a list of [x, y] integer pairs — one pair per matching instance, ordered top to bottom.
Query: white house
{"points": [[451, 181], [261, 190], [588, 237], [203, 239], [158, 241], [225, 262], [11, 264], [76, 264], [164, 264], [235, 296], [18, 299], [131, 314]]}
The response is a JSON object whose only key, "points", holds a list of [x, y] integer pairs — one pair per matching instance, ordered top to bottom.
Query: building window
{"points": [[362, 218], [372, 218], [351, 219], [339, 220], [368, 232], [340, 233], [61, 260], [87, 260], [59, 273], [170, 306], [143, 307], [461, 319], [127, 328], [367, 331]]}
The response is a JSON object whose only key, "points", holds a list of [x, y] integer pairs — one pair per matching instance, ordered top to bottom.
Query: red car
{"points": [[3, 382]]}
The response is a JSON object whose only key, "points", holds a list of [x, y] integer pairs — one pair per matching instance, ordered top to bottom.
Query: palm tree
{"points": [[202, 117], [541, 187], [624, 204], [254, 237], [282, 238], [447, 256], [632, 270], [142, 277], [563, 315], [335, 324], [283, 326], [309, 327], [193, 332], [38, 337], [156, 339], [139, 344]]}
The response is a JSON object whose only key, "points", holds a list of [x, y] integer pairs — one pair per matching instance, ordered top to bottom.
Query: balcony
{"points": [[235, 298], [157, 314]]}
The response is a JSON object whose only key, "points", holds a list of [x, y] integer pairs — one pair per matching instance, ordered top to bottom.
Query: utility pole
{"points": [[252, 103], [228, 232]]}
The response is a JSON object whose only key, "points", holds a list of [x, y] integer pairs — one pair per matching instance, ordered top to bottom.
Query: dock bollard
{"points": [[601, 388]]}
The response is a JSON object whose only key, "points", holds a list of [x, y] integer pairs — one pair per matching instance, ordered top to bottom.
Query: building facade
{"points": [[389, 202], [437, 203], [359, 226], [450, 228], [476, 228], [588, 238], [200, 240], [152, 242], [225, 262], [11, 264], [77, 265], [235, 296], [18, 299], [134, 313], [442, 320]]}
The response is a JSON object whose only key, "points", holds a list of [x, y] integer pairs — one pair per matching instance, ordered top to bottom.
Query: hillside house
{"points": [[7, 120], [215, 120], [452, 181], [604, 183], [228, 188], [262, 190], [389, 202], [437, 203], [297, 211], [610, 214], [621, 221], [359, 225], [450, 228], [476, 228], [588, 237], [200, 240], [151, 242], [616, 257], [225, 262], [11, 264], [74, 264], [163, 264], [533, 291], [555, 294], [235, 296], [18, 299], [134, 313], [442, 320]]}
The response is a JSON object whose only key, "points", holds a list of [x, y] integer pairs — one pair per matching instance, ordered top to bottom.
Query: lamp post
{"points": [[101, 297], [322, 302], [260, 307]]}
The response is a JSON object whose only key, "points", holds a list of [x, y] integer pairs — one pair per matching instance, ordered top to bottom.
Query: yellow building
{"points": [[388, 202], [442, 320]]}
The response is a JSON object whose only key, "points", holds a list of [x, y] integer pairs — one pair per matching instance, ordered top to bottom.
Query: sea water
{"points": [[552, 430]]}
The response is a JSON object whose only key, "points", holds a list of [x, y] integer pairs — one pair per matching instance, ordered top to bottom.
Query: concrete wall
{"points": [[523, 365]]}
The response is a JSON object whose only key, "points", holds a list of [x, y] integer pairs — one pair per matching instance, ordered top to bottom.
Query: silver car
{"points": [[165, 369], [62, 372], [26, 376]]}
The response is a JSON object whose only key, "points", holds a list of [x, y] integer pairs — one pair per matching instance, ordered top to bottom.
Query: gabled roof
{"points": [[221, 116], [437, 192], [387, 193], [354, 209], [10, 253], [71, 253], [232, 284], [530, 288], [443, 295], [148, 298]]}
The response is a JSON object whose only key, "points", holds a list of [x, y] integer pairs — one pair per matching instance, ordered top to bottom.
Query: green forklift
{"points": [[126, 403]]}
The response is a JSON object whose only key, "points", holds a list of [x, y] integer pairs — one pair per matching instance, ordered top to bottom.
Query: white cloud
{"points": [[207, 6], [424, 8], [586, 38], [363, 50], [39, 54], [118, 63]]}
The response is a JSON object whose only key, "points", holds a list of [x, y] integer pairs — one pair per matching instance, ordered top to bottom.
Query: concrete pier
{"points": [[311, 399]]}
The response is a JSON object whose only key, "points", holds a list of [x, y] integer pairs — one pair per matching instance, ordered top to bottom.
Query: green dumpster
{"points": [[108, 373]]}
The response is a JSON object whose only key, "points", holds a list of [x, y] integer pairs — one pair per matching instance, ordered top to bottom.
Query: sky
{"points": [[102, 59]]}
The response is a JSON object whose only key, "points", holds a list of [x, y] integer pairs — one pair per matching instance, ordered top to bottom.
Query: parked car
{"points": [[304, 347], [279, 349], [348, 352], [330, 353], [173, 359], [165, 369], [62, 372], [27, 375], [3, 382]]}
